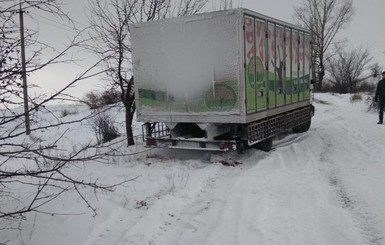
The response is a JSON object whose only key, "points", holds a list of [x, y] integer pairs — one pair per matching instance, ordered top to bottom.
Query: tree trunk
{"points": [[321, 74], [319, 86], [129, 118]]}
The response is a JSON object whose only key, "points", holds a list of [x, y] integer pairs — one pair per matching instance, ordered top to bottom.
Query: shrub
{"points": [[366, 87], [328, 88], [359, 88], [110, 97], [355, 97], [92, 99], [96, 100], [372, 106], [67, 112], [104, 128]]}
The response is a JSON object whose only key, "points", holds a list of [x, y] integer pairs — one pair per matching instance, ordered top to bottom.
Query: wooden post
{"points": [[24, 74]]}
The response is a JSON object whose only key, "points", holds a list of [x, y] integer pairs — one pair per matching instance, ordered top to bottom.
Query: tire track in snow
{"points": [[355, 148], [304, 158], [256, 202], [267, 204], [192, 214], [170, 216], [363, 218], [229, 220], [199, 222], [115, 228]]}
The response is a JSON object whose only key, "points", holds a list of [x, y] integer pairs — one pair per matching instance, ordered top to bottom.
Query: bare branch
{"points": [[325, 19], [347, 69], [40, 167]]}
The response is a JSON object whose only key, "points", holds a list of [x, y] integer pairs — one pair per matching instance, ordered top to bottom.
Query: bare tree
{"points": [[222, 4], [226, 4], [325, 19], [110, 39], [10, 60], [350, 67], [41, 167]]}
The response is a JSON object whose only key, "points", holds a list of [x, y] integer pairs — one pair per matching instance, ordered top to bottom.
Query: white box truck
{"points": [[222, 80]]}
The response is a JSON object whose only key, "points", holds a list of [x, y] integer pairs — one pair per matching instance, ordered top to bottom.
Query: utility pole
{"points": [[24, 74]]}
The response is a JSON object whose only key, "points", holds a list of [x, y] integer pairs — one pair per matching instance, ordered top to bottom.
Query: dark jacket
{"points": [[380, 91]]}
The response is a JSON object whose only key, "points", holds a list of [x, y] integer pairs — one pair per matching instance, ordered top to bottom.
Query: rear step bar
{"points": [[191, 144]]}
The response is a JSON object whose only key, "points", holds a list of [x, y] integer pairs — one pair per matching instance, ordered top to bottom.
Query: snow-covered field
{"points": [[326, 186]]}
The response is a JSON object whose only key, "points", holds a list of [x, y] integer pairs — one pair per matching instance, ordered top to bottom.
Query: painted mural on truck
{"points": [[260, 38], [255, 40], [271, 52], [278, 57], [277, 61], [288, 64], [301, 65], [294, 66], [307, 66], [251, 86], [220, 97]]}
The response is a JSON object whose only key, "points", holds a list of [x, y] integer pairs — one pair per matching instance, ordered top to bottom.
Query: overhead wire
{"points": [[55, 23]]}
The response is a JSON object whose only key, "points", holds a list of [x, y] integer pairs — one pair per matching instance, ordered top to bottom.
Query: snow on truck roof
{"points": [[208, 15]]}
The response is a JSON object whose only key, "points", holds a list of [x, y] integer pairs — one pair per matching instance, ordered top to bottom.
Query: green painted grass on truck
{"points": [[223, 97]]}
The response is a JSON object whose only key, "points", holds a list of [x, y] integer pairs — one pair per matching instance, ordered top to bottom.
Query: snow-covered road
{"points": [[326, 186], [322, 187]]}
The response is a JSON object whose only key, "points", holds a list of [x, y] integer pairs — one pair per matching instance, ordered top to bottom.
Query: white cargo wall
{"points": [[189, 69]]}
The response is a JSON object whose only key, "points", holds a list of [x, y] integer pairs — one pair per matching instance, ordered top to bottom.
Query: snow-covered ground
{"points": [[326, 186]]}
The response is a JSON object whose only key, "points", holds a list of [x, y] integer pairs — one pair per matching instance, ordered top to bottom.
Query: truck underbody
{"points": [[226, 136]]}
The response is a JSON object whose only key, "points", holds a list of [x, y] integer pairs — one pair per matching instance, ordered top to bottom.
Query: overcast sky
{"points": [[366, 29]]}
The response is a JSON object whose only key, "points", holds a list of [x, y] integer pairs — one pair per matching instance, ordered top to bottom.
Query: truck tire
{"points": [[302, 128], [265, 145], [241, 146]]}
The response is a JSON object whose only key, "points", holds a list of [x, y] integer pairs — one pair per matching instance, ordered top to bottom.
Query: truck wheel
{"points": [[302, 128], [265, 145], [241, 146]]}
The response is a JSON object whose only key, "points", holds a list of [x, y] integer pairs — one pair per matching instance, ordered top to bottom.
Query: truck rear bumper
{"points": [[191, 144]]}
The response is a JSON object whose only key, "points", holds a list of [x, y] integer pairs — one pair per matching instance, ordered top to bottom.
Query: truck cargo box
{"points": [[234, 66], [221, 81]]}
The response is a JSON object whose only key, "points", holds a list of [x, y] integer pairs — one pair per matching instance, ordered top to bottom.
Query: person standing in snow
{"points": [[380, 94]]}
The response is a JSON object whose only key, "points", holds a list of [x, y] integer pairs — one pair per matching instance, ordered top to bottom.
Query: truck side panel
{"points": [[277, 67], [307, 68], [271, 78], [288, 78], [251, 80]]}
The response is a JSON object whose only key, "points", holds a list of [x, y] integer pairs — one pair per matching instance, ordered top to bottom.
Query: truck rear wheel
{"points": [[302, 128], [265, 145], [241, 146]]}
